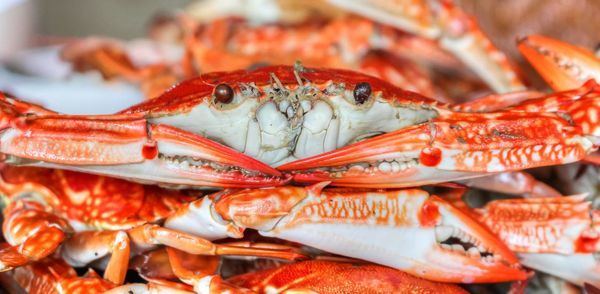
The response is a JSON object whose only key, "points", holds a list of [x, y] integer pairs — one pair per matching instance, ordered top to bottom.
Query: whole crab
{"points": [[315, 124]]}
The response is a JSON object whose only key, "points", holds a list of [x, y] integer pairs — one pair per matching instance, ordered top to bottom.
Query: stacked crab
{"points": [[132, 191]]}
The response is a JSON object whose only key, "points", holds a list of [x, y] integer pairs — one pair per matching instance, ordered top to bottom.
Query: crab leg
{"points": [[456, 31], [563, 66], [497, 102], [127, 146], [454, 146], [385, 221], [32, 233], [36, 234], [154, 235], [85, 247], [52, 275]]}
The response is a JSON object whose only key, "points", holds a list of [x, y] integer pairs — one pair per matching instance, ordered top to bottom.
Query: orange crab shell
{"points": [[91, 199]]}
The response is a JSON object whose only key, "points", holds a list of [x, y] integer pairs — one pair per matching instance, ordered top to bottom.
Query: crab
{"points": [[435, 32], [313, 124], [92, 218]]}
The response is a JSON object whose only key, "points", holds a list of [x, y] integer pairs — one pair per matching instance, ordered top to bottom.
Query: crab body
{"points": [[279, 114], [313, 124]]}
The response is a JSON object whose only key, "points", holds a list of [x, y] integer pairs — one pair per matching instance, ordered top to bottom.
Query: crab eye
{"points": [[362, 92], [223, 93]]}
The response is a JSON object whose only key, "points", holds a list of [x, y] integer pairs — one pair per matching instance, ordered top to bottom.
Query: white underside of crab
{"points": [[295, 128], [575, 268]]}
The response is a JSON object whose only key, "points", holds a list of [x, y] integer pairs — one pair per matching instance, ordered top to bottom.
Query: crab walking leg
{"points": [[454, 29], [563, 66], [497, 102], [127, 146], [453, 147], [404, 229], [31, 232], [35, 234], [146, 235], [85, 247], [53, 275]]}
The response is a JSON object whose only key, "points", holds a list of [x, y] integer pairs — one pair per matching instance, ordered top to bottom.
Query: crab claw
{"points": [[563, 66], [127, 146], [454, 146], [405, 229], [464, 248]]}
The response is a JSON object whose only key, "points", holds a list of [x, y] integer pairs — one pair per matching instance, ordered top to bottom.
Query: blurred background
{"points": [[21, 21], [575, 21], [29, 24]]}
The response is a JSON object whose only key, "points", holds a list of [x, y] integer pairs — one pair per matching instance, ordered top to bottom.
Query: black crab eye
{"points": [[362, 92], [224, 93]]}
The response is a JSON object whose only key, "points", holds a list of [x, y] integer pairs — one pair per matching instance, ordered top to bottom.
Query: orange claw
{"points": [[563, 66], [556, 129], [126, 146], [453, 147], [543, 225], [406, 229]]}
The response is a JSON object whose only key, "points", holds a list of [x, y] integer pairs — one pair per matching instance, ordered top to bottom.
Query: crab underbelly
{"points": [[264, 132], [401, 248]]}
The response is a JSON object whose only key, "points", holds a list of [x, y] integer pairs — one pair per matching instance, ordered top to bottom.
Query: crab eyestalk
{"points": [[127, 146], [452, 147], [404, 229]]}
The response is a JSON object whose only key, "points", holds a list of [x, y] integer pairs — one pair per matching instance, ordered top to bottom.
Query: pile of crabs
{"points": [[308, 155]]}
